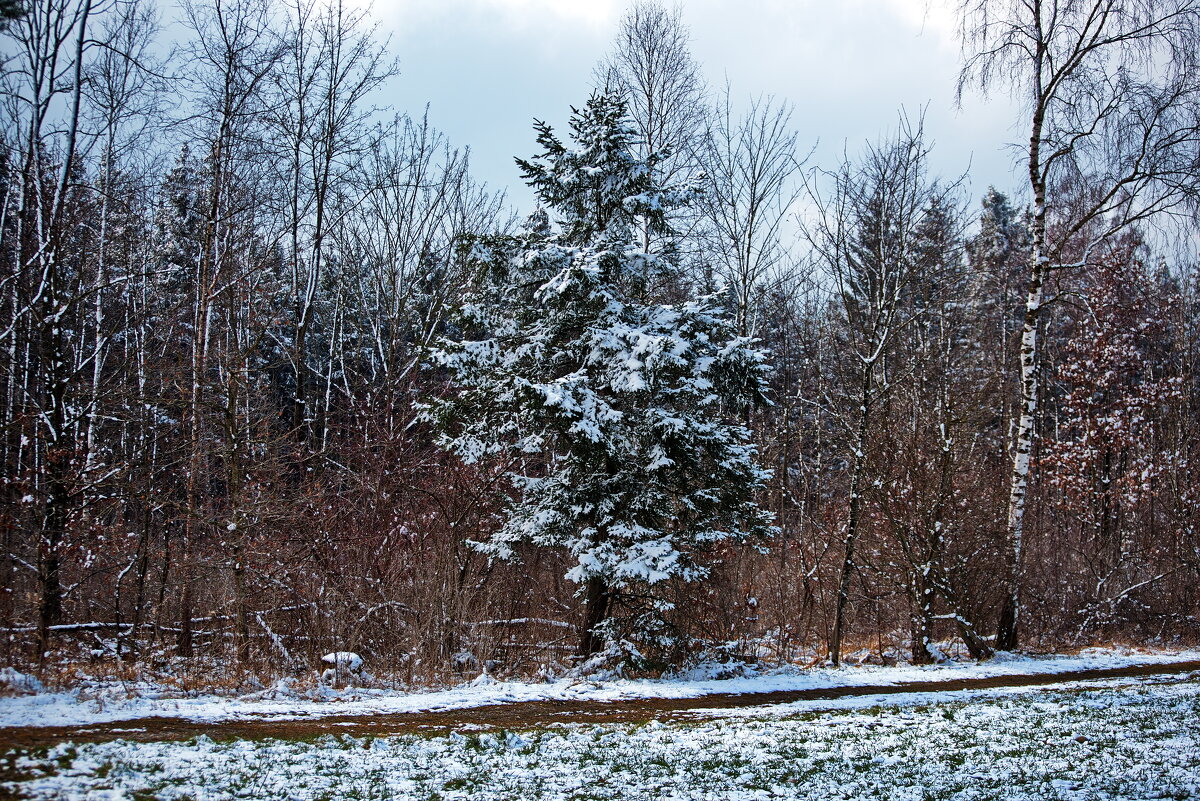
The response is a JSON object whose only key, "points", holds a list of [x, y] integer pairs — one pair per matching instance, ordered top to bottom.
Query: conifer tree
{"points": [[617, 413]]}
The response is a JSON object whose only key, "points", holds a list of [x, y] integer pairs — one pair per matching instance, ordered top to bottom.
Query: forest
{"points": [[279, 376]]}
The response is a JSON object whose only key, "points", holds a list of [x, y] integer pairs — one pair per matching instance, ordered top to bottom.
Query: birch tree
{"points": [[1110, 91]]}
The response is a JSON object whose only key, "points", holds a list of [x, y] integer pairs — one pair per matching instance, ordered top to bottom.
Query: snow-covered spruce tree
{"points": [[618, 413]]}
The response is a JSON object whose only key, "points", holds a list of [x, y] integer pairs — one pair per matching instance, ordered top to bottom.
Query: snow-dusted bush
{"points": [[345, 667]]}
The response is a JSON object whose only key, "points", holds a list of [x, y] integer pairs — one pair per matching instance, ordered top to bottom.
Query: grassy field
{"points": [[1136, 741]]}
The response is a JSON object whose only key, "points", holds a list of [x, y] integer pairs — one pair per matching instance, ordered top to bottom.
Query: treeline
{"points": [[219, 285]]}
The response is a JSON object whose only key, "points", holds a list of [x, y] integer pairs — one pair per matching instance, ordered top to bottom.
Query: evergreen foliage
{"points": [[617, 412]]}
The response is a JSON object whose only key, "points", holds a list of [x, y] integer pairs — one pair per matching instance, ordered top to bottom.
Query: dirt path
{"points": [[528, 714]]}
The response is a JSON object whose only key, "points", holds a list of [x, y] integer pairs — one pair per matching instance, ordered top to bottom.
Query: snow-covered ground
{"points": [[99, 702], [1079, 741]]}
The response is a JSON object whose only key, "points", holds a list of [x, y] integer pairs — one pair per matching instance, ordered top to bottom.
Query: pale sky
{"points": [[487, 68]]}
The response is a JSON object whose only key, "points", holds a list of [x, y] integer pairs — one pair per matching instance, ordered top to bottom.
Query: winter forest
{"points": [[279, 376]]}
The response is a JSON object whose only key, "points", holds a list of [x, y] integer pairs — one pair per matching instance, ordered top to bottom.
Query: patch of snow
{"points": [[344, 660], [483, 680], [15, 681], [119, 701]]}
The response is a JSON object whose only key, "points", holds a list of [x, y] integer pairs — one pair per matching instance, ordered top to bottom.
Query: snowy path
{"points": [[94, 702], [541, 713]]}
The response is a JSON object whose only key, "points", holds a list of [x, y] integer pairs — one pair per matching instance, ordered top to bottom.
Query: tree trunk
{"points": [[57, 468], [854, 522], [924, 585], [50, 588], [139, 597], [597, 600], [242, 620], [922, 628], [1007, 637], [183, 642]]}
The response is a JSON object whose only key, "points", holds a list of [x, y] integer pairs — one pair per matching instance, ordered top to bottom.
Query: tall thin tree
{"points": [[1111, 89]]}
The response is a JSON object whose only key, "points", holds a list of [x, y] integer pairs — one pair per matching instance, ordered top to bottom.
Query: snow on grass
{"points": [[101, 703], [1080, 743]]}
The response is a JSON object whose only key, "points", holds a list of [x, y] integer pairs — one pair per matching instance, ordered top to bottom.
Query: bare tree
{"points": [[234, 52], [333, 64], [652, 69], [1110, 88], [125, 94], [44, 95], [750, 191], [865, 236], [400, 272], [929, 474]]}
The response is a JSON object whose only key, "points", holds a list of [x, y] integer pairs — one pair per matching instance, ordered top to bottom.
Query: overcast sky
{"points": [[487, 68]]}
